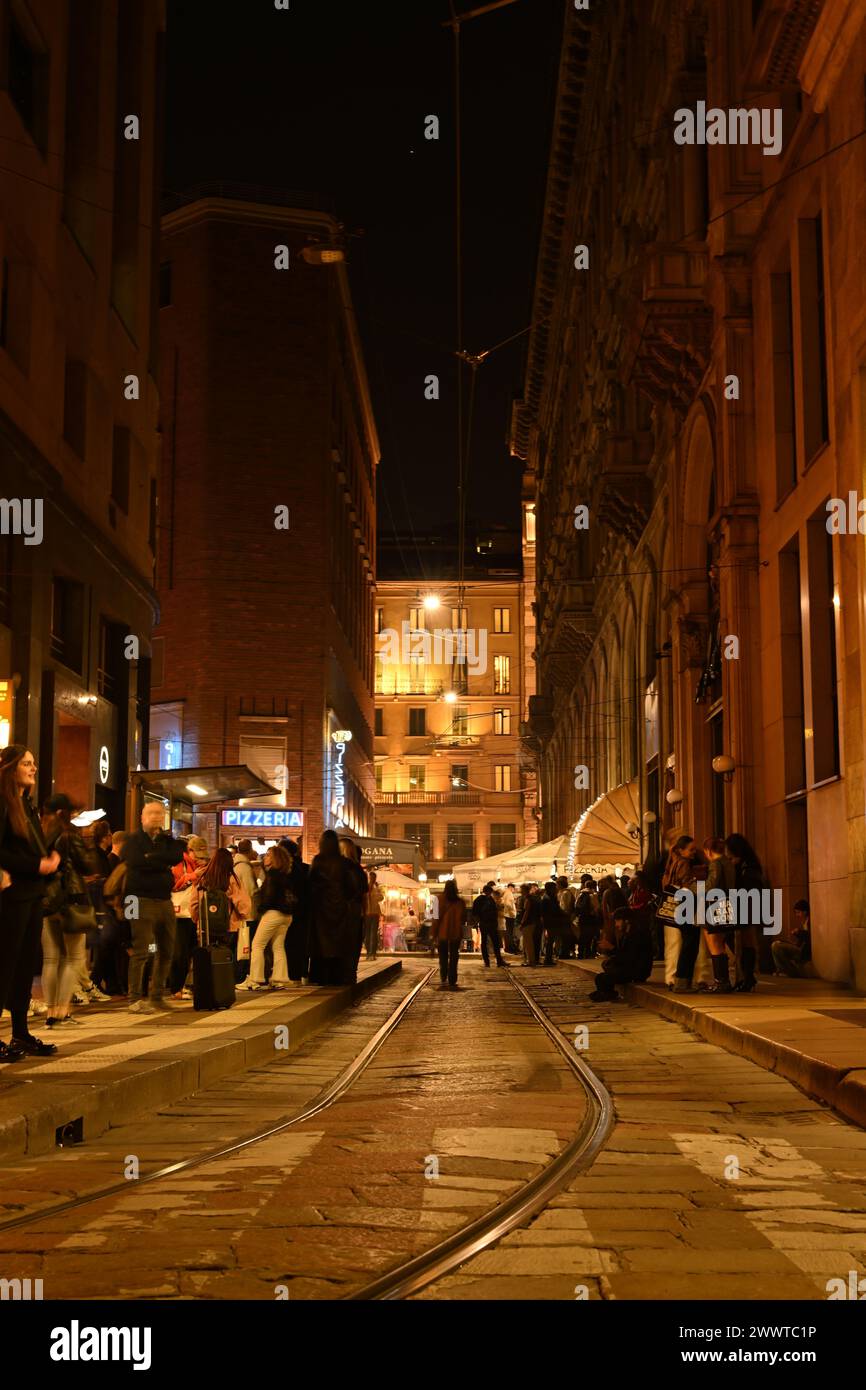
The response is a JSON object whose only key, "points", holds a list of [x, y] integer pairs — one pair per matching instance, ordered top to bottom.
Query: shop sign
{"points": [[340, 738], [104, 765], [243, 816]]}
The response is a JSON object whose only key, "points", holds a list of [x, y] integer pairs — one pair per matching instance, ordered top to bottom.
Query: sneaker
{"points": [[251, 985], [96, 996], [79, 998], [159, 1003], [143, 1006], [36, 1009], [63, 1022]]}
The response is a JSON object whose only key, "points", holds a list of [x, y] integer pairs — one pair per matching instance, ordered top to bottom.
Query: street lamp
{"points": [[432, 601], [724, 765], [674, 797]]}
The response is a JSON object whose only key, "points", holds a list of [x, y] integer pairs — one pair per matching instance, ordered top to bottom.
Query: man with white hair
{"points": [[150, 855]]}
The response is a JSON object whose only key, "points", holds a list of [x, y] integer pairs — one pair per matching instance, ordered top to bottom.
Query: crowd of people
{"points": [[100, 915], [631, 922]]}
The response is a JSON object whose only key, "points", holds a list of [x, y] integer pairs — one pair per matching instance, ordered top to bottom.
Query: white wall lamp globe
{"points": [[724, 766], [674, 797], [649, 817]]}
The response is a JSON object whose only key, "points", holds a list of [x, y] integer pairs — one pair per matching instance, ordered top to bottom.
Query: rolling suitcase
{"points": [[213, 967]]}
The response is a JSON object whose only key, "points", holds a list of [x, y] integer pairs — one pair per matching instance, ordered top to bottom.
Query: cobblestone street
{"points": [[465, 1102]]}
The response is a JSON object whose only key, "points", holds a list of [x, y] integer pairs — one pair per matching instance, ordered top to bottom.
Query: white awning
{"points": [[601, 842]]}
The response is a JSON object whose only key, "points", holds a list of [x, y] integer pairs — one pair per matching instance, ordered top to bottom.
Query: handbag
{"points": [[182, 901], [667, 908], [720, 914], [78, 917], [243, 940]]}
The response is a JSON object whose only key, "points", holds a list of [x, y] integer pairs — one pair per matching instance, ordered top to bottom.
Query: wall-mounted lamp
{"points": [[725, 766], [674, 797], [649, 818], [631, 828]]}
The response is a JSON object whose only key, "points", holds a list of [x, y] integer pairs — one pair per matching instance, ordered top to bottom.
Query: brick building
{"points": [[81, 125], [700, 387], [267, 514], [447, 717]]}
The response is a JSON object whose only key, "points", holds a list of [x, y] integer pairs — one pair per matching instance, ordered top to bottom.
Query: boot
{"points": [[747, 962], [720, 973]]}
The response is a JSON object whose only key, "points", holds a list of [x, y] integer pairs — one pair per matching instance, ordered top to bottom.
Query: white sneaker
{"points": [[250, 985], [96, 995], [79, 998], [36, 1009]]}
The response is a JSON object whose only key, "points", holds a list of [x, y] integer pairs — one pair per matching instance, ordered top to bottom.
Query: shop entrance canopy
{"points": [[202, 786], [606, 839]]}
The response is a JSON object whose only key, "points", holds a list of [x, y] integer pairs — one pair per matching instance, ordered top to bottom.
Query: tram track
{"points": [[417, 1273]]}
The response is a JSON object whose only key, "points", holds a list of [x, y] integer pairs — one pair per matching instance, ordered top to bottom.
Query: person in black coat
{"points": [[25, 857], [337, 889], [486, 914], [557, 925], [298, 936], [631, 958]]}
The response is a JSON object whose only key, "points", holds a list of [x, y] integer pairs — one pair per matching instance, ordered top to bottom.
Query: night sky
{"points": [[331, 98]]}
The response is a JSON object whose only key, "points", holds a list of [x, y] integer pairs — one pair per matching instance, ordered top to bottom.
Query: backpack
{"points": [[214, 914]]}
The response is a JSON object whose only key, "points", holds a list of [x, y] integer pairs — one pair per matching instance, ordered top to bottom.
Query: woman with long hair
{"points": [[29, 863], [679, 872], [749, 874], [185, 876], [218, 876], [276, 905], [448, 933]]}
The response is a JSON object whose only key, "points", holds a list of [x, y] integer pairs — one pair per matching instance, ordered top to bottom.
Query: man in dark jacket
{"points": [[150, 855], [486, 915], [557, 926], [631, 958]]}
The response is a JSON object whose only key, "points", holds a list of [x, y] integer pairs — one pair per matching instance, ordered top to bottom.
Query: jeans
{"points": [[154, 928], [271, 931], [371, 934], [491, 934], [184, 941], [449, 953], [63, 954]]}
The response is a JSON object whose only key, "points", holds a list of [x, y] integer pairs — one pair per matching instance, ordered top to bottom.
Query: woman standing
{"points": [[26, 858], [749, 875], [722, 877], [217, 878], [337, 888], [184, 893], [276, 905], [372, 911], [448, 933], [298, 935], [681, 942], [64, 957]]}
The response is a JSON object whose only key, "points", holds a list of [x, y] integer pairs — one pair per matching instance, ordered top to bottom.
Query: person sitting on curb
{"points": [[794, 957], [630, 960]]}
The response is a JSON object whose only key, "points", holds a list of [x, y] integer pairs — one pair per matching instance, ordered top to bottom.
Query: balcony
{"points": [[428, 799]]}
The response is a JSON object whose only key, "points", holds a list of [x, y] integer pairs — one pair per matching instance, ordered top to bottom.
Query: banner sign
{"points": [[268, 819]]}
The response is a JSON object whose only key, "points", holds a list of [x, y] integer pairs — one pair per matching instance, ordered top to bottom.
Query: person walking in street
{"points": [[150, 855], [29, 865], [749, 876], [337, 889], [276, 906], [372, 913], [485, 913], [448, 933], [64, 955], [794, 957]]}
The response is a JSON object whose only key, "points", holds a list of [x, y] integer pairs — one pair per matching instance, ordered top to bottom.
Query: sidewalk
{"points": [[811, 1032], [117, 1065]]}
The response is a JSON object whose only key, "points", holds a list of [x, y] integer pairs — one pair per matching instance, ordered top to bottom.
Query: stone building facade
{"points": [[81, 112], [696, 380], [267, 542]]}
